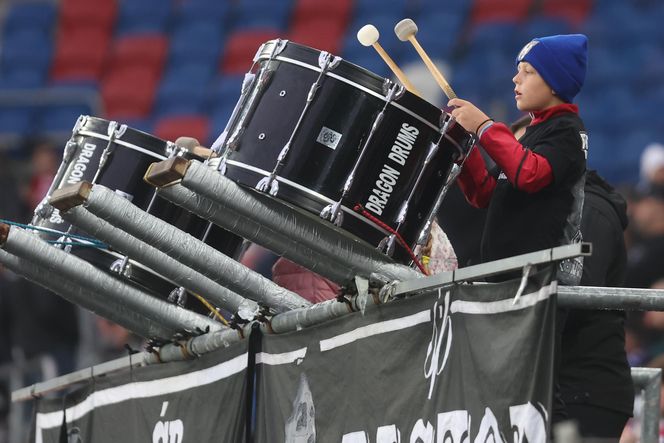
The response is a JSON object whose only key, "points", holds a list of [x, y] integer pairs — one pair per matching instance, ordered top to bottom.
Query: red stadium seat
{"points": [[312, 10], [513, 11], [574, 12], [99, 13], [323, 34], [241, 48], [145, 50], [80, 54], [128, 92], [173, 127]]}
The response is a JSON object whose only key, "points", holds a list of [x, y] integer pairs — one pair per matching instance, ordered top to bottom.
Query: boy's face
{"points": [[531, 91]]}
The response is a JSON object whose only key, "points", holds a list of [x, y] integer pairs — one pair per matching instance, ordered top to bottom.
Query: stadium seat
{"points": [[203, 9], [338, 11], [486, 11], [574, 12], [100, 14], [261, 14], [39, 16], [143, 16], [322, 34], [196, 41], [241, 47], [149, 50], [28, 51], [80, 54], [183, 90], [226, 90], [128, 92], [58, 120], [16, 121], [171, 128]]}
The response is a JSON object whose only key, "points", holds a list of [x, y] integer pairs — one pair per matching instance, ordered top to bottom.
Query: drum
{"points": [[337, 140], [116, 156]]}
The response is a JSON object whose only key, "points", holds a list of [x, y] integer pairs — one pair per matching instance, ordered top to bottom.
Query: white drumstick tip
{"points": [[405, 29], [368, 35]]}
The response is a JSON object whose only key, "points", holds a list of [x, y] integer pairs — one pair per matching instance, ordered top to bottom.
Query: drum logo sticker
{"points": [[329, 137], [389, 174]]}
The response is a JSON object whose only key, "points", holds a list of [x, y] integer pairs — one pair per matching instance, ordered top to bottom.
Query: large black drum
{"points": [[340, 141], [116, 156]]}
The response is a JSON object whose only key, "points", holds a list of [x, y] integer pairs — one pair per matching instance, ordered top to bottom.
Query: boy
{"points": [[536, 201]]}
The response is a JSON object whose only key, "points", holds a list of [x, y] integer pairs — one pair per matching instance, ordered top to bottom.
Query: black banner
{"points": [[469, 364], [464, 365], [190, 401]]}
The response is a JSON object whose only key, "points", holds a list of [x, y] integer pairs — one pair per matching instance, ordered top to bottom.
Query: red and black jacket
{"points": [[531, 200]]}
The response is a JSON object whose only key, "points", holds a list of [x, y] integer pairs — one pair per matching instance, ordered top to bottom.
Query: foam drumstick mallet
{"points": [[406, 30], [368, 35]]}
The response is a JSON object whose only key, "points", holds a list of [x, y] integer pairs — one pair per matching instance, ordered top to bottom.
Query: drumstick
{"points": [[406, 30], [368, 35]]}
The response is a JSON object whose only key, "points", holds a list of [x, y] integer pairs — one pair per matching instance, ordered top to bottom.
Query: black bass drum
{"points": [[337, 140]]}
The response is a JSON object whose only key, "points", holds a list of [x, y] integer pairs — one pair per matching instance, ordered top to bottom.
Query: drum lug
{"points": [[82, 120], [268, 183], [333, 213], [386, 245], [121, 267], [178, 296]]}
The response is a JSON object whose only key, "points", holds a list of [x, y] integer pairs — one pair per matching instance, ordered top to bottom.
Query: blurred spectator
{"points": [[43, 166], [652, 167], [644, 265]]}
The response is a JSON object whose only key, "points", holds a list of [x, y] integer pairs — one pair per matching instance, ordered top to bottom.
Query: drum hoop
{"points": [[360, 87], [123, 143], [308, 191]]}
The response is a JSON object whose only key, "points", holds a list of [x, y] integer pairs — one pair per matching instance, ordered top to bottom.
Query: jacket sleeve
{"points": [[526, 170], [475, 181]]}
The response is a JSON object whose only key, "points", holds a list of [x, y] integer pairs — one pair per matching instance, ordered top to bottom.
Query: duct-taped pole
{"points": [[260, 218], [253, 231], [181, 246], [30, 247], [158, 261], [86, 298], [197, 346]]}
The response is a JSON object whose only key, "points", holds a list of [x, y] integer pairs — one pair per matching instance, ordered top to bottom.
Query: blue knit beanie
{"points": [[560, 60]]}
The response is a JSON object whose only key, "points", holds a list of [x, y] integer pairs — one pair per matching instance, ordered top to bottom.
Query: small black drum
{"points": [[336, 139], [116, 156]]}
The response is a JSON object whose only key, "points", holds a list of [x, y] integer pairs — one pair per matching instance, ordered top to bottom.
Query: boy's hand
{"points": [[467, 114]]}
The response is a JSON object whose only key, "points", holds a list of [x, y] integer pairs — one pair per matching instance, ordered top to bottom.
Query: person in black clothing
{"points": [[535, 202], [594, 376], [594, 381]]}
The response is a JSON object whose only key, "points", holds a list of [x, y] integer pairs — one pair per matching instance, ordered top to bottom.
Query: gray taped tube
{"points": [[322, 238], [30, 247], [189, 250], [158, 261], [86, 298], [196, 346]]}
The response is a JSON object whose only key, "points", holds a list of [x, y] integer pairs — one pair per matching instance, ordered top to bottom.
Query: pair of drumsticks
{"points": [[405, 31]]}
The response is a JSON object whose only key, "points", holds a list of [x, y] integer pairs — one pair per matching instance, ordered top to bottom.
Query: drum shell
{"points": [[344, 109]]}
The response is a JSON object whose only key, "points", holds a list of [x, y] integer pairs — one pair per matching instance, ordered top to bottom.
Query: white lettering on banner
{"points": [[81, 163], [387, 179], [442, 324], [527, 423], [453, 427], [167, 431], [422, 433], [388, 434]]}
